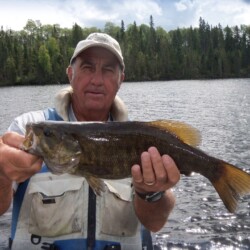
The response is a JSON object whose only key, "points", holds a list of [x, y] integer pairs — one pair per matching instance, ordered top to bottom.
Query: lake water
{"points": [[220, 109]]}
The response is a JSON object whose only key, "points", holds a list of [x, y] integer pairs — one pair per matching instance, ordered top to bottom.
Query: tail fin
{"points": [[231, 185]]}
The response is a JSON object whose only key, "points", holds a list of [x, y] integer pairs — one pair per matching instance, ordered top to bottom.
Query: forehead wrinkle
{"points": [[93, 61]]}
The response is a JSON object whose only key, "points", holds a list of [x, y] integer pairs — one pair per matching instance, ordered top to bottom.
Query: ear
{"points": [[69, 72], [122, 77]]}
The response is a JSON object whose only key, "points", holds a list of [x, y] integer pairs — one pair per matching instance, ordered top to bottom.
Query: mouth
{"points": [[95, 93], [30, 142]]}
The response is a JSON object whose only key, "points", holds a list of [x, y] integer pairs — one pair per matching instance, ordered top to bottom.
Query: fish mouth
{"points": [[30, 142]]}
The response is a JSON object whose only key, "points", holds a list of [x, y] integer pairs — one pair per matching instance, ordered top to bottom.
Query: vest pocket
{"points": [[56, 207], [117, 211]]}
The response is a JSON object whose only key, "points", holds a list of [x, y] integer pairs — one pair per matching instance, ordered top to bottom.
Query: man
{"points": [[61, 212]]}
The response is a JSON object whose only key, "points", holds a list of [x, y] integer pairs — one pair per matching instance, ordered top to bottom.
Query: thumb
{"points": [[13, 139]]}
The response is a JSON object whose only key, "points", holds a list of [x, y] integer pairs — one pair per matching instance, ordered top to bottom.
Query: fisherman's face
{"points": [[95, 77]]}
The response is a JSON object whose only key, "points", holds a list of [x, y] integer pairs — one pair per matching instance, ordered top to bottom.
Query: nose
{"points": [[97, 78]]}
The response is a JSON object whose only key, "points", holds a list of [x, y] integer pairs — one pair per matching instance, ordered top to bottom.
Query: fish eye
{"points": [[47, 132]]}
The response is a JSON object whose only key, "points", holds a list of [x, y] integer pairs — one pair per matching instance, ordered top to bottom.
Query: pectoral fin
{"points": [[96, 184]]}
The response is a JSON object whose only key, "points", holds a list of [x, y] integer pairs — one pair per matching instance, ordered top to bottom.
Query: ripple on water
{"points": [[220, 110]]}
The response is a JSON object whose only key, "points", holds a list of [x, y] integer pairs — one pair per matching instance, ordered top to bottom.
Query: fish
{"points": [[108, 150]]}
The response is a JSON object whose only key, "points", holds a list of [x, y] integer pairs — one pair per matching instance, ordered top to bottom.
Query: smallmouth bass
{"points": [[107, 150]]}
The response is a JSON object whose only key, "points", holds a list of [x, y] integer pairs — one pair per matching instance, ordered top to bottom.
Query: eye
{"points": [[87, 67], [109, 69], [47, 132]]}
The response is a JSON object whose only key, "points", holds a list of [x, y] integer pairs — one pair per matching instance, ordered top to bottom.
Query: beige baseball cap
{"points": [[99, 40]]}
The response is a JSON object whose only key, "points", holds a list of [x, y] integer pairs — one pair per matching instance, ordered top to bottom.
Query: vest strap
{"points": [[51, 114], [91, 219]]}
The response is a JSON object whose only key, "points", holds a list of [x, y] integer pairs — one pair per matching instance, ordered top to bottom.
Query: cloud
{"points": [[184, 5], [115, 11], [140, 11], [225, 12], [88, 13], [15, 14]]}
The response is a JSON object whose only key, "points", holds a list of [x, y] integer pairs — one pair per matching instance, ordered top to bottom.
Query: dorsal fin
{"points": [[183, 131]]}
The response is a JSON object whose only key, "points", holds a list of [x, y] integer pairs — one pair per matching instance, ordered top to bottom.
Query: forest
{"points": [[39, 54]]}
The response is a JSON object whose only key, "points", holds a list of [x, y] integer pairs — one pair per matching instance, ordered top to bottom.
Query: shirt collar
{"points": [[72, 117]]}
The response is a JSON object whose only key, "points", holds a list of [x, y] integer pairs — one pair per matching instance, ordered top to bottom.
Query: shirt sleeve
{"points": [[19, 123], [19, 126]]}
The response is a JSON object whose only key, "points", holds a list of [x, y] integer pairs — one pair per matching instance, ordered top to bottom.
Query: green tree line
{"points": [[39, 54]]}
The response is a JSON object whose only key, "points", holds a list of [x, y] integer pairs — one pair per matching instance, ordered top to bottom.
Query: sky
{"points": [[168, 14]]}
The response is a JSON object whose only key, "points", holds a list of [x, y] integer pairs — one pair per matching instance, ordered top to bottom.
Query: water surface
{"points": [[220, 109]]}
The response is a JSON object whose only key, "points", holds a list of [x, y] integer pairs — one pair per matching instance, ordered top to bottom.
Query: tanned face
{"points": [[95, 77]]}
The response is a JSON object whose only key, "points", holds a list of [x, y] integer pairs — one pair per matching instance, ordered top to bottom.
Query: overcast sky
{"points": [[169, 14]]}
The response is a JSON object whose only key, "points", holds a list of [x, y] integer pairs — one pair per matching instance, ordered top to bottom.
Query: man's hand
{"points": [[15, 164], [157, 173]]}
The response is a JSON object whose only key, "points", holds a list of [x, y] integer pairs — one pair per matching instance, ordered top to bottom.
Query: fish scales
{"points": [[123, 148], [108, 150]]}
